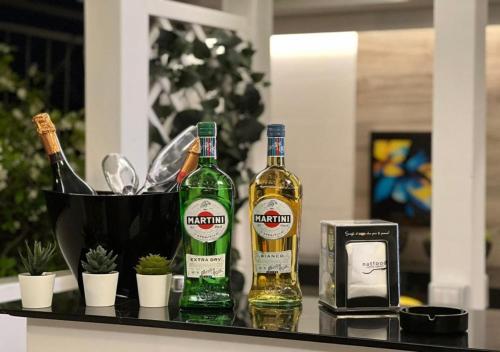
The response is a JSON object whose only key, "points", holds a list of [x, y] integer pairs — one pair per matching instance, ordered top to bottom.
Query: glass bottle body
{"points": [[64, 178], [206, 209], [275, 214]]}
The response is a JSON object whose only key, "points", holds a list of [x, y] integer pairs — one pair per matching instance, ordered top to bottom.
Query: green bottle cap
{"points": [[207, 129]]}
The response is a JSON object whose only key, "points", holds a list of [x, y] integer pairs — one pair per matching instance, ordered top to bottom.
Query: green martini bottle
{"points": [[206, 209]]}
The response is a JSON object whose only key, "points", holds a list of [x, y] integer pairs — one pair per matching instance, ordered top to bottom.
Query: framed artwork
{"points": [[400, 172]]}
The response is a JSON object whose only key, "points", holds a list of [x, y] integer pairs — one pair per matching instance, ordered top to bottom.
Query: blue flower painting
{"points": [[401, 177]]}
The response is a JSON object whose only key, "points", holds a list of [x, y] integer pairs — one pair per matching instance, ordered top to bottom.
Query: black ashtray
{"points": [[434, 320]]}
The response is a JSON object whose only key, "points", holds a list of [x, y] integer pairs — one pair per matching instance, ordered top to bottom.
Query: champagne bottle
{"points": [[191, 162], [65, 180]]}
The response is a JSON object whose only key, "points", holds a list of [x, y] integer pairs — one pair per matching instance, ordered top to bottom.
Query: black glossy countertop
{"points": [[310, 323]]}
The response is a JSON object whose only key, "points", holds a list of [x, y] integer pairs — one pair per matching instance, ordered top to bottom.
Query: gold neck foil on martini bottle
{"points": [[47, 132]]}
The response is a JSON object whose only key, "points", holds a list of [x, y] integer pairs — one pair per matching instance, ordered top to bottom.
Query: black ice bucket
{"points": [[132, 226]]}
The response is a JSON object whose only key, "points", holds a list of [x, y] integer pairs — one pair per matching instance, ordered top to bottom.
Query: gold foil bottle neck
{"points": [[43, 124], [47, 132], [195, 147], [191, 161]]}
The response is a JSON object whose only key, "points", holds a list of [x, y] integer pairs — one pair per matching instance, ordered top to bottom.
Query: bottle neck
{"points": [[52, 147], [208, 151], [276, 151], [57, 158], [191, 161]]}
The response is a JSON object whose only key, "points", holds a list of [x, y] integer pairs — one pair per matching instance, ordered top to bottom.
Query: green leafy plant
{"points": [[215, 79], [24, 170], [36, 261], [99, 261], [153, 264], [8, 266]]}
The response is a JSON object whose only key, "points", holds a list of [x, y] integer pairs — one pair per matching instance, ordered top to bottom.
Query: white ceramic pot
{"points": [[100, 289], [154, 290], [37, 291]]}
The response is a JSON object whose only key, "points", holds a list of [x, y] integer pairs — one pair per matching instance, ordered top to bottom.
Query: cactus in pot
{"points": [[37, 260], [99, 261], [153, 264], [154, 278], [99, 279], [37, 285]]}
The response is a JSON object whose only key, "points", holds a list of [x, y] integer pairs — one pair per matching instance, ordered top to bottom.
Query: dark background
{"points": [[48, 34]]}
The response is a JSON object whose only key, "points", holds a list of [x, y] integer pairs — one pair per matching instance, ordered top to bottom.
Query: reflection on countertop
{"points": [[310, 322]]}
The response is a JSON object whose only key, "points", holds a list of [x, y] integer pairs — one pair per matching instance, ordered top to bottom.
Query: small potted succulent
{"points": [[154, 278], [99, 279], [37, 285]]}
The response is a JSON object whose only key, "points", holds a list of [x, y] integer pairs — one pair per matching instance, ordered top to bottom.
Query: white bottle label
{"points": [[272, 218], [206, 220], [273, 262], [205, 265]]}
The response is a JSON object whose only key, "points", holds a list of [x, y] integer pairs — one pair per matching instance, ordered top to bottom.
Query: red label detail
{"points": [[271, 213], [206, 214]]}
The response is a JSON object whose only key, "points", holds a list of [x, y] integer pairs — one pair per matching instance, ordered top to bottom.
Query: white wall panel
{"points": [[313, 93], [459, 155]]}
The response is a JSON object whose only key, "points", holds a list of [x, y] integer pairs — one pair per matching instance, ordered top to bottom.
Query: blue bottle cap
{"points": [[276, 130]]}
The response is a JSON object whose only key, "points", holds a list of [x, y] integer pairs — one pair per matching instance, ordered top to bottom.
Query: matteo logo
{"points": [[374, 265]]}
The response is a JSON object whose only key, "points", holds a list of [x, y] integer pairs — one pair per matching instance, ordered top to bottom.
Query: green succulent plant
{"points": [[36, 261], [99, 261], [153, 264]]}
